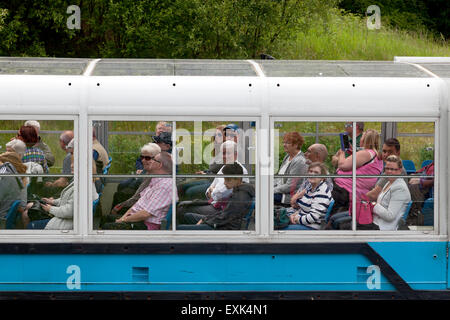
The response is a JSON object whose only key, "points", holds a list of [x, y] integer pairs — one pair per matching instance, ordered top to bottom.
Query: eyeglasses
{"points": [[348, 125], [148, 158], [391, 169]]}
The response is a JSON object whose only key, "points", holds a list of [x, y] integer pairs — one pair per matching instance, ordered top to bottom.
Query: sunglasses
{"points": [[148, 158]]}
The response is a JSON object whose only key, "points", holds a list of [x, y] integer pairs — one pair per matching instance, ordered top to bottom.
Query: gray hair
{"points": [[33, 123], [66, 137], [18, 146], [151, 148], [166, 161]]}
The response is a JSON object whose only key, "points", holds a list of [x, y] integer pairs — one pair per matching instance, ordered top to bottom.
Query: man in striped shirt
{"points": [[154, 201]]}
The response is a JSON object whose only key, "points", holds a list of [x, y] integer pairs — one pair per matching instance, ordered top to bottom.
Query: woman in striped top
{"points": [[314, 201]]}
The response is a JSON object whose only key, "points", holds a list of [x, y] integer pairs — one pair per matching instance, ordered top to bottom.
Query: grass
{"points": [[346, 37]]}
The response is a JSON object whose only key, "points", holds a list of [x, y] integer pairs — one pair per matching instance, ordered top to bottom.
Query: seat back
{"points": [[426, 162], [409, 166], [330, 207], [428, 212], [12, 215], [248, 216], [166, 222]]}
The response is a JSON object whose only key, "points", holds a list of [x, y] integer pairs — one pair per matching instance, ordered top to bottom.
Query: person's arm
{"points": [[345, 164], [373, 194], [398, 200]]}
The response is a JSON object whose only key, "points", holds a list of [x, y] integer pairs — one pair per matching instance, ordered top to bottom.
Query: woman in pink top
{"points": [[368, 162]]}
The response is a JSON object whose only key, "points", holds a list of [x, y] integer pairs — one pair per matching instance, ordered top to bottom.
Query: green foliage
{"points": [[154, 28]]}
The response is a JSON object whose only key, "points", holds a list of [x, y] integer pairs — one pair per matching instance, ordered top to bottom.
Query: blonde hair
{"points": [[371, 140], [393, 158]]}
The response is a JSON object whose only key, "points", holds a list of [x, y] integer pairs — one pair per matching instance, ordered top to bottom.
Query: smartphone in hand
{"points": [[345, 144]]}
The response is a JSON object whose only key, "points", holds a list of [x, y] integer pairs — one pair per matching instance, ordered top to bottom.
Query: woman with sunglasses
{"points": [[393, 199], [127, 200]]}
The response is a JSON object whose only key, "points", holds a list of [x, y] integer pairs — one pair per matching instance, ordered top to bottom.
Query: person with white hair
{"points": [[41, 144], [16, 145], [148, 150], [217, 193]]}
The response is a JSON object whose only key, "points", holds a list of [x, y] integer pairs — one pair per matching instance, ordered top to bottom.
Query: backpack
{"points": [[280, 218]]}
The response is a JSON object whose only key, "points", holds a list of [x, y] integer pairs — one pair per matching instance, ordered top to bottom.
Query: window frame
{"points": [[439, 225], [42, 234], [171, 234]]}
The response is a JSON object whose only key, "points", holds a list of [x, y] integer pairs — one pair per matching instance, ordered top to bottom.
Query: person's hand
{"points": [[139, 171], [414, 181], [48, 184], [49, 200], [46, 207], [116, 209], [124, 217], [292, 218], [200, 221]]}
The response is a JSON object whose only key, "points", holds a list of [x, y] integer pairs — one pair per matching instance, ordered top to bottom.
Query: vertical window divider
{"points": [[174, 171], [354, 177]]}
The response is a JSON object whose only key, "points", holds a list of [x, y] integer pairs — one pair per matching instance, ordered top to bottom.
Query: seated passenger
{"points": [[161, 126], [41, 144], [19, 147], [390, 147], [316, 153], [32, 154], [100, 154], [368, 162], [293, 163], [11, 188], [54, 188], [195, 188], [419, 189], [217, 193], [123, 195], [315, 197], [393, 199], [154, 201], [61, 209], [231, 217]]}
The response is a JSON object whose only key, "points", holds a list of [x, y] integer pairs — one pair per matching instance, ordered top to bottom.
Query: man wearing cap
{"points": [[231, 132]]}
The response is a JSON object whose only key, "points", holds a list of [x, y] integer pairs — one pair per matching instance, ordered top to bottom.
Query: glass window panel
{"points": [[214, 148], [128, 161], [36, 189], [399, 194], [306, 199]]}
